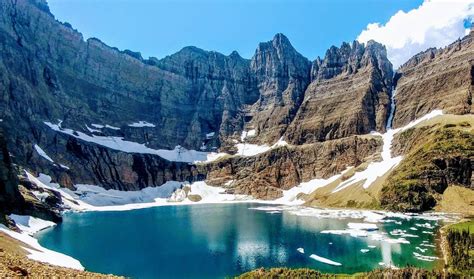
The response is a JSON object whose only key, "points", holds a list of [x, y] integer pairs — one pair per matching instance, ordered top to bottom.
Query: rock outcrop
{"points": [[282, 77], [436, 79], [349, 94], [265, 176], [10, 196]]}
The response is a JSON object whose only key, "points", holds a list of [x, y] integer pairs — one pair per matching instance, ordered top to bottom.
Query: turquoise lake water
{"points": [[219, 240]]}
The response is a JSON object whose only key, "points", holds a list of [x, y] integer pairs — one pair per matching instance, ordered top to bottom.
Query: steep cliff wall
{"points": [[436, 79], [349, 94], [194, 98]]}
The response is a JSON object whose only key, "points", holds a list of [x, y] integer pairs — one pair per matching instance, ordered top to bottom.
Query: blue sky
{"points": [[162, 27]]}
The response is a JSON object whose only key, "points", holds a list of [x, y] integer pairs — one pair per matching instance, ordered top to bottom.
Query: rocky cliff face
{"points": [[282, 77], [436, 79], [349, 94], [195, 98], [265, 176], [10, 196]]}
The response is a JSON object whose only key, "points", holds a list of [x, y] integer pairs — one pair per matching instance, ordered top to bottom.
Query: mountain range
{"points": [[83, 112]]}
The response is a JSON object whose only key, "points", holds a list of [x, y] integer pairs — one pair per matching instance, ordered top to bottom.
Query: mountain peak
{"points": [[280, 40]]}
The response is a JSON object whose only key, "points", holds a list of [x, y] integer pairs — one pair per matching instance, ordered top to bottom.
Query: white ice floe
{"points": [[141, 124], [43, 154], [377, 169], [30, 225], [363, 226], [366, 230], [402, 233], [421, 249], [301, 250], [424, 257], [324, 260]]}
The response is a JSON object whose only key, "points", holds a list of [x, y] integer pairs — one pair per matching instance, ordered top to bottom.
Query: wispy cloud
{"points": [[435, 23]]}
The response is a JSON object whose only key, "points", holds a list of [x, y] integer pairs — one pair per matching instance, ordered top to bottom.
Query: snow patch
{"points": [[141, 124], [93, 130], [210, 135], [43, 154], [178, 154], [64, 166], [377, 169], [291, 196], [30, 225]]}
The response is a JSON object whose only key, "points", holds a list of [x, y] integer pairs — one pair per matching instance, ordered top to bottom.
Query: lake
{"points": [[219, 240]]}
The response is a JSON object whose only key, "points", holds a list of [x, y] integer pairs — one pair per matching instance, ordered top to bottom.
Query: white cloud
{"points": [[435, 23]]}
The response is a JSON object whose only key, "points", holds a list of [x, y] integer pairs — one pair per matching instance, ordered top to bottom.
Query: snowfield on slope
{"points": [[29, 226]]}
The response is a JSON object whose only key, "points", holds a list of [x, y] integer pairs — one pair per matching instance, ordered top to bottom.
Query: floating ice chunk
{"points": [[141, 124], [42, 153], [363, 226], [351, 232], [420, 249], [301, 250], [424, 257], [324, 260]]}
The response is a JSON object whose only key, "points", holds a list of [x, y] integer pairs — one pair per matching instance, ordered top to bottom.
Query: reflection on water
{"points": [[214, 241]]}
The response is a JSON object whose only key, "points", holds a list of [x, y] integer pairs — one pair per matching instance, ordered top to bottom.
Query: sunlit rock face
{"points": [[436, 79], [349, 94], [203, 100]]}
